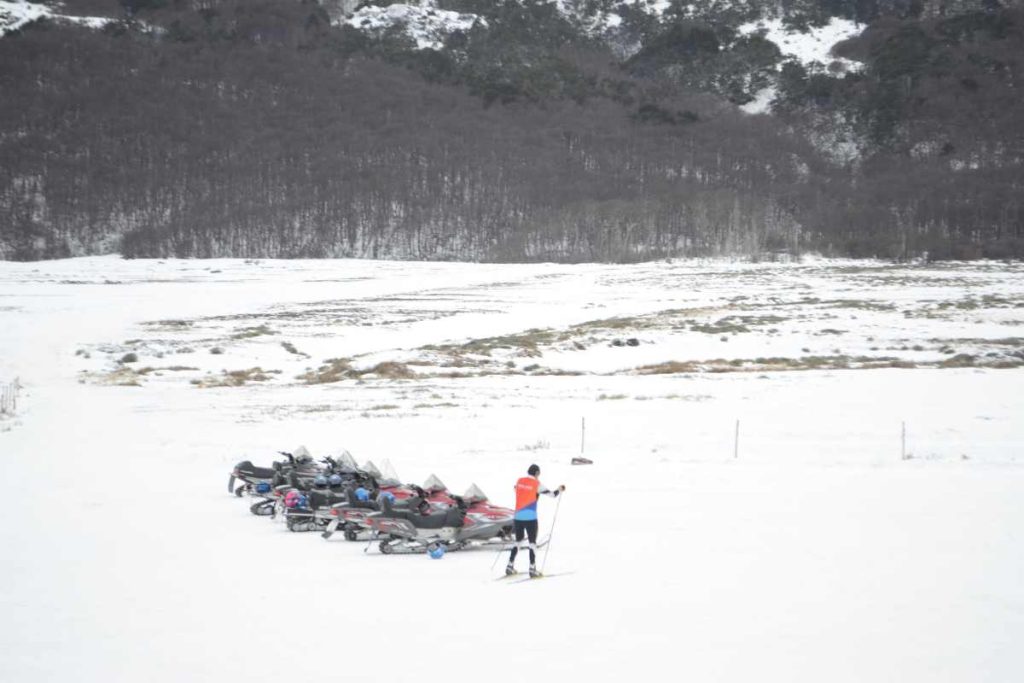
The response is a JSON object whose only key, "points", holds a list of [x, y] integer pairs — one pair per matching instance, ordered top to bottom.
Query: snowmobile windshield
{"points": [[301, 454], [346, 462], [372, 470], [388, 475], [434, 485], [474, 495]]}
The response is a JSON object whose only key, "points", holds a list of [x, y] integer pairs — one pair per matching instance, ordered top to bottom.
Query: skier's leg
{"points": [[520, 532], [531, 532]]}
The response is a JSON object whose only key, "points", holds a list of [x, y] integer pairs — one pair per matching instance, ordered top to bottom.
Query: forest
{"points": [[266, 128]]}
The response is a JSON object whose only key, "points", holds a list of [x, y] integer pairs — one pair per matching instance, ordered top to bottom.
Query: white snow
{"points": [[655, 8], [16, 13], [425, 23], [814, 46], [813, 50], [762, 102], [817, 554]]}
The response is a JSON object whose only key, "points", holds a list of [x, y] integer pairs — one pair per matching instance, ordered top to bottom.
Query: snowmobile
{"points": [[345, 465], [299, 473], [253, 476], [268, 484], [328, 489], [325, 492], [437, 492], [432, 497], [311, 511], [350, 516], [471, 522]]}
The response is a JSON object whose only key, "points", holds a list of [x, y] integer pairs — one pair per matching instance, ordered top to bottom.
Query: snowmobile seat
{"points": [[248, 470], [323, 499], [389, 510], [452, 517]]}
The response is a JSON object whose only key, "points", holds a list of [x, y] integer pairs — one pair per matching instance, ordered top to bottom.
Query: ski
{"points": [[541, 576]]}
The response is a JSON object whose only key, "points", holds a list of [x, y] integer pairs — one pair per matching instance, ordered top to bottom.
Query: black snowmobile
{"points": [[311, 508]]}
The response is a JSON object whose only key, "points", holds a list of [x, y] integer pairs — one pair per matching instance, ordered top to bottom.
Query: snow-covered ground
{"points": [[817, 554]]}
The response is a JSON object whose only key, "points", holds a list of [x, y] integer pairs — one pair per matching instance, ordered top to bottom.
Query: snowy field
{"points": [[818, 554]]}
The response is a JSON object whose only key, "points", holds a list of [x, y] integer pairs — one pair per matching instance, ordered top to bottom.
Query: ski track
{"points": [[816, 555]]}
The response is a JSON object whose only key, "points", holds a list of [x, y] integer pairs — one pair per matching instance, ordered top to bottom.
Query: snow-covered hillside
{"points": [[16, 13], [425, 24], [813, 46], [812, 49], [817, 553]]}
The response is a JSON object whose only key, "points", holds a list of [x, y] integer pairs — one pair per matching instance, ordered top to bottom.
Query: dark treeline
{"points": [[256, 129]]}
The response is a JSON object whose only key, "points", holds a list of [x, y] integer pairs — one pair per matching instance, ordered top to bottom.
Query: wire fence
{"points": [[9, 397]]}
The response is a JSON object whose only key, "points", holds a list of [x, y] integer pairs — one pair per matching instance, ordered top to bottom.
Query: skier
{"points": [[528, 492]]}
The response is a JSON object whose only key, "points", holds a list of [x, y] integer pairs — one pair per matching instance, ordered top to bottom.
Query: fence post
{"points": [[9, 397], [583, 433], [903, 443]]}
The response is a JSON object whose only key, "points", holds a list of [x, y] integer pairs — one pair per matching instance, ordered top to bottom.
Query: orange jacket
{"points": [[528, 490]]}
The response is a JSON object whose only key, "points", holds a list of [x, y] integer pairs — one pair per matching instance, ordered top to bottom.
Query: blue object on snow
{"points": [[437, 552]]}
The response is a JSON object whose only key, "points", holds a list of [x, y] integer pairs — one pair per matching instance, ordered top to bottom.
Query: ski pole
{"points": [[551, 534], [504, 549], [496, 556]]}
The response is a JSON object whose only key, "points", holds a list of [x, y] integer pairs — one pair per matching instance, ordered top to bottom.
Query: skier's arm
{"points": [[544, 490]]}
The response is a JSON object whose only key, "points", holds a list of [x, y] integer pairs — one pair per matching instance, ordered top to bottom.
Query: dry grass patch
{"points": [[169, 324], [727, 325], [250, 332], [524, 344], [960, 360], [774, 364], [170, 368], [669, 368], [338, 369], [334, 370], [389, 370], [121, 377], [235, 378]]}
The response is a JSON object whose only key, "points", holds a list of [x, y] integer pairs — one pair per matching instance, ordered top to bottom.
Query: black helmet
{"points": [[534, 470]]}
